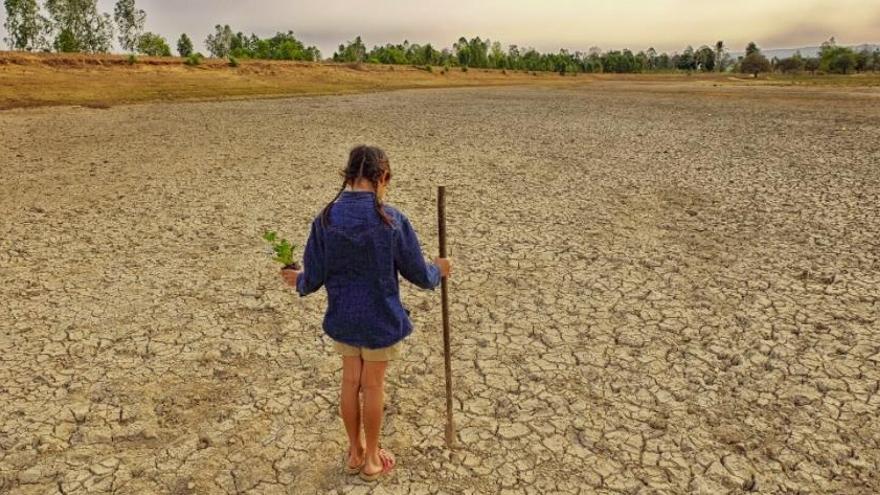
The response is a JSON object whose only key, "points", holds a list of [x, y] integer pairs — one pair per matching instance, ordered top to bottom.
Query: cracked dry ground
{"points": [[658, 289]]}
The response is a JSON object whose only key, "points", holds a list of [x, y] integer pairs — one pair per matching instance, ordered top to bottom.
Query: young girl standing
{"points": [[356, 248]]}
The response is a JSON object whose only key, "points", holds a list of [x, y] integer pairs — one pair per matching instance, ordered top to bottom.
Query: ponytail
{"points": [[325, 213]]}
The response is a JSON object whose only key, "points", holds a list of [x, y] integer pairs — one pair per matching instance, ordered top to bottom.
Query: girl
{"points": [[356, 247]]}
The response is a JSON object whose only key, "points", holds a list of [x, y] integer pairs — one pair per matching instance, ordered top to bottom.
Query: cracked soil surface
{"points": [[658, 289]]}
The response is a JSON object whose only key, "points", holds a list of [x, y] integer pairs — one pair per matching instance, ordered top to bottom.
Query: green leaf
{"points": [[282, 248]]}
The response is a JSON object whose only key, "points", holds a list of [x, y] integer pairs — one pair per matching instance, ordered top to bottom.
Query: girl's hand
{"points": [[445, 266], [290, 277]]}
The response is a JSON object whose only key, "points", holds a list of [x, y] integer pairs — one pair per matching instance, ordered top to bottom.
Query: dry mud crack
{"points": [[657, 290]]}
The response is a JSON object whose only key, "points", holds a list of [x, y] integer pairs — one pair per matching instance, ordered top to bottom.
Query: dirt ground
{"points": [[658, 289]]}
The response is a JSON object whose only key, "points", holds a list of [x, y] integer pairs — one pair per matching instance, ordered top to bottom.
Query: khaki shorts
{"points": [[390, 353]]}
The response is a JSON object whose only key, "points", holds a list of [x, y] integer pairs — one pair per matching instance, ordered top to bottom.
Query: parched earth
{"points": [[658, 289]]}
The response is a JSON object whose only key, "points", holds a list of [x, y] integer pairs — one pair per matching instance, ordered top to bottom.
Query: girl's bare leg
{"points": [[373, 386], [350, 407]]}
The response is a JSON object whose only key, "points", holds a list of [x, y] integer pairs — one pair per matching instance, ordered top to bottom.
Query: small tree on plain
{"points": [[130, 22], [184, 46], [754, 62]]}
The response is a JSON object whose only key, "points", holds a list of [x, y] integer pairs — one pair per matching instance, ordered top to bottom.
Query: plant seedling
{"points": [[282, 250]]}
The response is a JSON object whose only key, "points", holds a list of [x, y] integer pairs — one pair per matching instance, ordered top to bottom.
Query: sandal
{"points": [[388, 463]]}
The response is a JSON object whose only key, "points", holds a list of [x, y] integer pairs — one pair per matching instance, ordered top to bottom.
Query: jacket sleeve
{"points": [[409, 260], [314, 264]]}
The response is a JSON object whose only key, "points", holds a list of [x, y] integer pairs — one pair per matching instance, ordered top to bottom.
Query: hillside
{"points": [[806, 51], [104, 80]]}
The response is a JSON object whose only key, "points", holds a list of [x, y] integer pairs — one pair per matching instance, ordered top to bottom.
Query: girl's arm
{"points": [[409, 259], [312, 276]]}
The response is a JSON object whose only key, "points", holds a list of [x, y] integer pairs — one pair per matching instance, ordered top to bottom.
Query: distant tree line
{"points": [[78, 26], [283, 46], [484, 54], [833, 59]]}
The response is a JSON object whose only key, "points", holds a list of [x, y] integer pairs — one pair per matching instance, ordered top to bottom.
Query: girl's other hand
{"points": [[445, 266], [290, 277]]}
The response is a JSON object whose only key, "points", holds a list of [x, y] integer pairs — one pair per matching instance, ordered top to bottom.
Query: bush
{"points": [[153, 45], [132, 59], [194, 59], [233, 62], [464, 68], [429, 69], [504, 71]]}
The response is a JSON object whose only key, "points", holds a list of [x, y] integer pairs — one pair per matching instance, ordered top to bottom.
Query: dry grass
{"points": [[50, 79], [101, 81]]}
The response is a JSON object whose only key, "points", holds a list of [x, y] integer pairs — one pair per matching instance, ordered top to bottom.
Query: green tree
{"points": [[130, 22], [25, 27], [79, 27], [219, 44], [153, 45], [184, 46], [752, 48], [353, 51], [462, 51], [720, 53], [651, 55], [497, 57], [835, 58], [705, 59], [687, 60], [864, 60], [663, 62], [754, 62], [795, 63], [812, 64]]}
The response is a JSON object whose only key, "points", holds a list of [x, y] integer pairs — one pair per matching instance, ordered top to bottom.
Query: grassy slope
{"points": [[38, 80], [105, 80]]}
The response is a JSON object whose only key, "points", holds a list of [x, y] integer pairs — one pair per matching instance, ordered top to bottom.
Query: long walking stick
{"points": [[441, 217]]}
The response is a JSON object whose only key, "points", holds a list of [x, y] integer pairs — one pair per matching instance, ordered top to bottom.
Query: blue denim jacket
{"points": [[357, 257]]}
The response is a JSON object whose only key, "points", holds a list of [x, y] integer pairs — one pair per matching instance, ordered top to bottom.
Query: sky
{"points": [[548, 25]]}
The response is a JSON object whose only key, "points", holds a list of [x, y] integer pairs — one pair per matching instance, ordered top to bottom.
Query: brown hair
{"points": [[368, 162]]}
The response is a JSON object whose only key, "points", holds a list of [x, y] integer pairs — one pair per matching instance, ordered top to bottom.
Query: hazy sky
{"points": [[544, 24]]}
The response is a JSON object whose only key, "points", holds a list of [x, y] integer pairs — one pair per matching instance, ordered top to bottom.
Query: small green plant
{"points": [[132, 59], [194, 59], [233, 62], [429, 69], [282, 250]]}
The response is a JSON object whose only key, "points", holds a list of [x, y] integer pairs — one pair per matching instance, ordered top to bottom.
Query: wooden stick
{"points": [[441, 217]]}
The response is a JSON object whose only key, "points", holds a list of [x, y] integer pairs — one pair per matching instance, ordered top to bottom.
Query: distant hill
{"points": [[806, 51]]}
